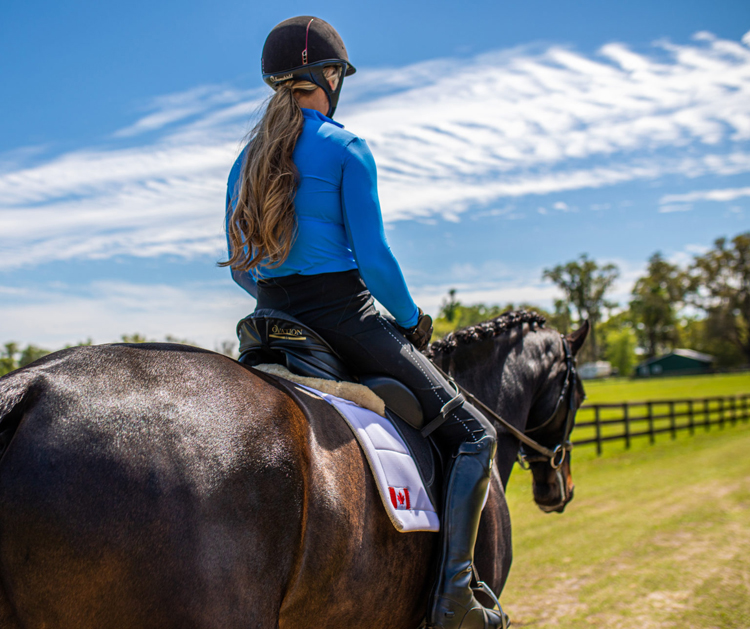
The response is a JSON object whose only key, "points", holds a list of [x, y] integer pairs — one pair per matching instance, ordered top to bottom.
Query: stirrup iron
{"points": [[481, 586]]}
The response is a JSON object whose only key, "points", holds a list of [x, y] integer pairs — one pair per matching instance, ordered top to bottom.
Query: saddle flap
{"points": [[398, 398], [400, 482]]}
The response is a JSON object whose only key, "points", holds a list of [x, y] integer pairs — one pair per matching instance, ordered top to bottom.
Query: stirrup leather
{"points": [[451, 405]]}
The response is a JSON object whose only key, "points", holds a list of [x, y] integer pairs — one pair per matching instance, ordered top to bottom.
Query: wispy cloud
{"points": [[200, 101], [449, 136], [727, 194], [668, 209]]}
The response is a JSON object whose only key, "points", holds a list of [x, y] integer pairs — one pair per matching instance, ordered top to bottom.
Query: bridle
{"points": [[560, 451], [555, 456]]}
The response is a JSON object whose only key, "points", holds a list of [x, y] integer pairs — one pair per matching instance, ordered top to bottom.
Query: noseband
{"points": [[555, 456]]}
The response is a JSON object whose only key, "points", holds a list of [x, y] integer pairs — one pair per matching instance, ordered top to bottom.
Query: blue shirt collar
{"points": [[314, 114]]}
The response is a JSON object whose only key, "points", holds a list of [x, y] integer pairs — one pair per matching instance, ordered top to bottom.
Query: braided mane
{"points": [[484, 330]]}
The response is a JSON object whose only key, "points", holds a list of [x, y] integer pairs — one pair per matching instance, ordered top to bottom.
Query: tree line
{"points": [[703, 305], [13, 356]]}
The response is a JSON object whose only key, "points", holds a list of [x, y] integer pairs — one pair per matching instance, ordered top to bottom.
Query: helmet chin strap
{"points": [[314, 74], [317, 76], [331, 108]]}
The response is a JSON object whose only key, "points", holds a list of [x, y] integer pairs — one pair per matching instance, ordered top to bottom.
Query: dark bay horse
{"points": [[162, 486]]}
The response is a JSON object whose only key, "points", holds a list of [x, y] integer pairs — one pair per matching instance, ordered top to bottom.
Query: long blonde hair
{"points": [[263, 225]]}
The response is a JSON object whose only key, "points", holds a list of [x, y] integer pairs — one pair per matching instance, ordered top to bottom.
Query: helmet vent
{"points": [[307, 35]]}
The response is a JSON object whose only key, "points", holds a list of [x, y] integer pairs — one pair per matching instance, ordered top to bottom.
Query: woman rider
{"points": [[303, 193]]}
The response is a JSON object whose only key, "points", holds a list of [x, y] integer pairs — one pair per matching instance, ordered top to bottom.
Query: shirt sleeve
{"points": [[364, 226], [243, 278]]}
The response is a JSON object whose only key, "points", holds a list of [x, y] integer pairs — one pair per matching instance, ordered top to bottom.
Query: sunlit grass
{"points": [[613, 390], [699, 415], [658, 536]]}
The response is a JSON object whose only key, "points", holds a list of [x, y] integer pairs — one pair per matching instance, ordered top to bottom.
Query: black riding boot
{"points": [[453, 605]]}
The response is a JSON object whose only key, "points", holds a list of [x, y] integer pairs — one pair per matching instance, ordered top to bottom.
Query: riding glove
{"points": [[420, 334]]}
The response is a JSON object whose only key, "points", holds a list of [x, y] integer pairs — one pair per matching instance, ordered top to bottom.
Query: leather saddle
{"points": [[272, 336]]}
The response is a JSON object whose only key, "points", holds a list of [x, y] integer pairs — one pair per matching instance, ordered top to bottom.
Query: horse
{"points": [[158, 486]]}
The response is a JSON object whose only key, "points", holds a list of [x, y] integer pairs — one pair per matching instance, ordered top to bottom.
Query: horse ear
{"points": [[577, 338]]}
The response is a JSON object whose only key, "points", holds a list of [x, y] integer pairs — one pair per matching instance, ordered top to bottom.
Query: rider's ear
{"points": [[577, 338]]}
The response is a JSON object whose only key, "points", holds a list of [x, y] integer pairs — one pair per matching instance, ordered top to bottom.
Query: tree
{"points": [[585, 285], [720, 286], [450, 306], [654, 306], [454, 315], [561, 319], [702, 335], [134, 338], [169, 338], [87, 343], [228, 348], [620, 350], [31, 353], [13, 357], [8, 358]]}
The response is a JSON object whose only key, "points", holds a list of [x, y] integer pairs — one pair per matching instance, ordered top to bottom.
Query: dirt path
{"points": [[655, 539]]}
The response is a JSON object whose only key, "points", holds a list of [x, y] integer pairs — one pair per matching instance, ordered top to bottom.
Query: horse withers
{"points": [[159, 486]]}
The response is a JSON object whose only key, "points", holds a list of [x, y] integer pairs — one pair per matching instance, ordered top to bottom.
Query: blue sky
{"points": [[509, 137]]}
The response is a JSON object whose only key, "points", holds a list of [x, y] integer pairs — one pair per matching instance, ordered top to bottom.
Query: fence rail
{"points": [[599, 423]]}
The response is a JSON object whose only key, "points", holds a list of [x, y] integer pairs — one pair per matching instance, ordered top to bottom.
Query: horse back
{"points": [[148, 486]]}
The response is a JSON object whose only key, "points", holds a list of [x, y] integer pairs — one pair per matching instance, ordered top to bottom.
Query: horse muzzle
{"points": [[556, 490]]}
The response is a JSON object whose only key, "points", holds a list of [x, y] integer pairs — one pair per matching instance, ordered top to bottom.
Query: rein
{"points": [[556, 456]]}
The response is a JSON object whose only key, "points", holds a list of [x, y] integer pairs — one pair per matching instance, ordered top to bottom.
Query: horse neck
{"points": [[505, 373]]}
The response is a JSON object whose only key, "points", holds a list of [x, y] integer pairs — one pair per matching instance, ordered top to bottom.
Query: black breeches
{"points": [[340, 308]]}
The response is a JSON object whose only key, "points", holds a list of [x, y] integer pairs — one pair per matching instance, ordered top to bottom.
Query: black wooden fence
{"points": [[597, 423]]}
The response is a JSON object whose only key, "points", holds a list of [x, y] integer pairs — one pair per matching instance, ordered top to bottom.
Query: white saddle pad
{"points": [[401, 488]]}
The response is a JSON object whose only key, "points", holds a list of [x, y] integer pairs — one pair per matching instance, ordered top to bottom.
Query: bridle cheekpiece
{"points": [[557, 455]]}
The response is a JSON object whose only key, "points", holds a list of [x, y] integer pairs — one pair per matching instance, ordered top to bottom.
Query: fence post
{"points": [[744, 408], [721, 413], [706, 415], [650, 416], [626, 417], [733, 417], [691, 418], [672, 424], [598, 426]]}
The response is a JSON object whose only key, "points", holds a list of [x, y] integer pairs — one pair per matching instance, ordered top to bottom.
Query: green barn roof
{"points": [[685, 353], [679, 361]]}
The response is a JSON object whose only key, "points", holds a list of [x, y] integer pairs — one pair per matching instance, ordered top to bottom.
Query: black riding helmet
{"points": [[300, 48]]}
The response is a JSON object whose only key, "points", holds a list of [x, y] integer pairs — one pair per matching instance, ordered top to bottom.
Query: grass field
{"points": [[612, 390], [657, 537]]}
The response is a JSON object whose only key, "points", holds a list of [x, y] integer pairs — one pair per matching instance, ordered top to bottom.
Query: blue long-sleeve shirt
{"points": [[339, 223]]}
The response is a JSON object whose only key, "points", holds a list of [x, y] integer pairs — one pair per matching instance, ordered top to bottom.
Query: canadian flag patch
{"points": [[400, 497]]}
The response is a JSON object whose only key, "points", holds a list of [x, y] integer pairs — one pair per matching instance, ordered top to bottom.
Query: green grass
{"points": [[625, 390], [633, 391], [656, 537]]}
